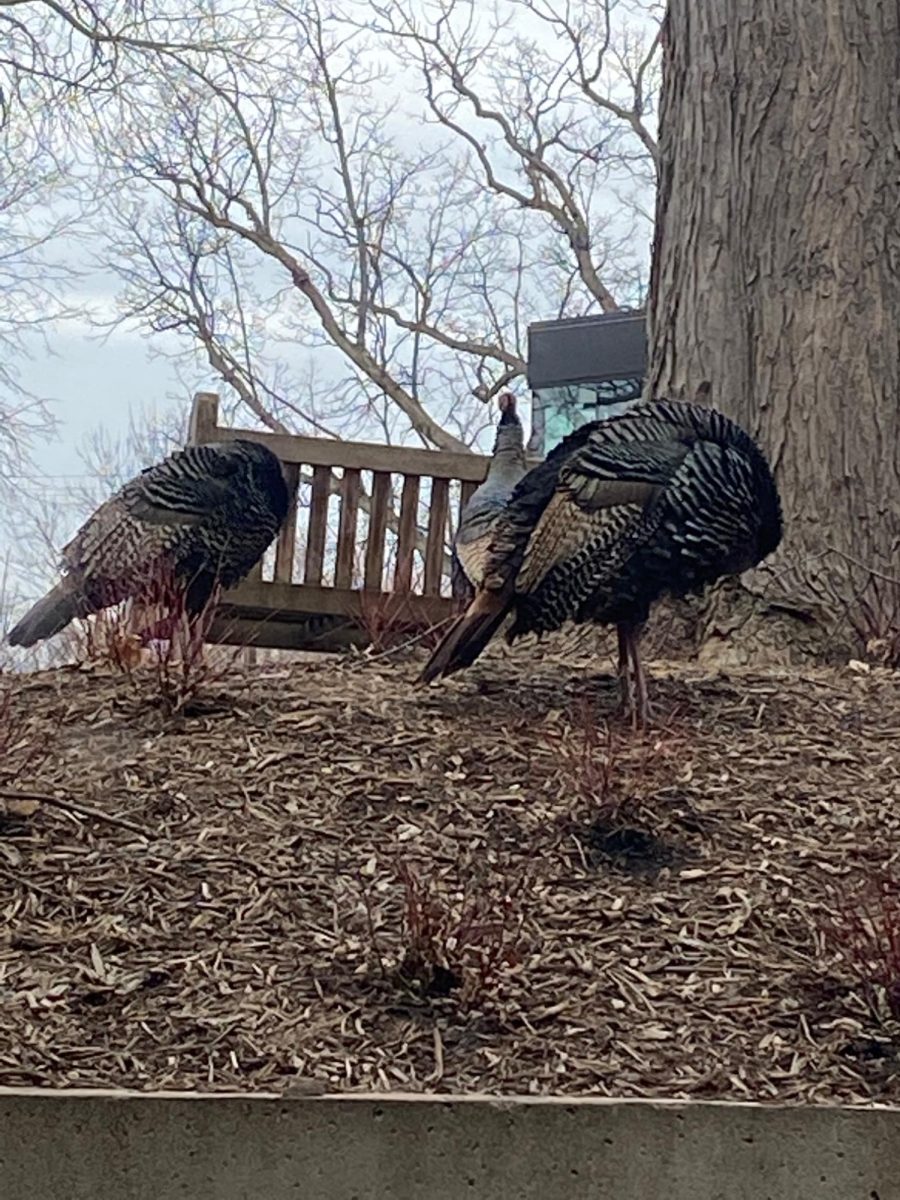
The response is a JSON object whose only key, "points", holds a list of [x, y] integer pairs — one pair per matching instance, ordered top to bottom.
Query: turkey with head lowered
{"points": [[665, 498], [204, 516]]}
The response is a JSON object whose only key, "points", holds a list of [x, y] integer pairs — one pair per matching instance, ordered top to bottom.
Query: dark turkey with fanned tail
{"points": [[666, 498], [204, 517]]}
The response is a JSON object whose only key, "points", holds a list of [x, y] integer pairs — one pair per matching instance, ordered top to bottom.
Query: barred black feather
{"points": [[666, 498], [205, 515]]}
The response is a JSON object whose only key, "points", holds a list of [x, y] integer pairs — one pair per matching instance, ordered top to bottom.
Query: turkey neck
{"points": [[509, 451]]}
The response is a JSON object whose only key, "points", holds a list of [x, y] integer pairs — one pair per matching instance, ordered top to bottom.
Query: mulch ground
{"points": [[321, 877]]}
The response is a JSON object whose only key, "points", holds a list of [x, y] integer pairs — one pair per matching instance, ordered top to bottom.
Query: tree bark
{"points": [[776, 273]]}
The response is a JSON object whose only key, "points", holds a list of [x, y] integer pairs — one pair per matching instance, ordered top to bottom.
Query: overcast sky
{"points": [[93, 384]]}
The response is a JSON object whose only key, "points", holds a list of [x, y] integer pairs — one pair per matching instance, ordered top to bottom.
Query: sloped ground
{"points": [[324, 878]]}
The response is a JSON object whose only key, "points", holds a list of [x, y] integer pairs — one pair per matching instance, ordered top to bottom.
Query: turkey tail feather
{"points": [[50, 615], [467, 636]]}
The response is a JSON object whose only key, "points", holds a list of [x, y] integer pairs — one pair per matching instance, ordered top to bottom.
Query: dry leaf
{"points": [[20, 808]]}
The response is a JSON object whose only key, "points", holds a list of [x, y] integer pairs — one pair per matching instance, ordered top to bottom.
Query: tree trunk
{"points": [[776, 274]]}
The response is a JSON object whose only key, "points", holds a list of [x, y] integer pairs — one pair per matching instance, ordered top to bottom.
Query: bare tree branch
{"points": [[533, 125]]}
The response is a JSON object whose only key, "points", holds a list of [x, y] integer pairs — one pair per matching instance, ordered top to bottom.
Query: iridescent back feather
{"points": [[667, 497]]}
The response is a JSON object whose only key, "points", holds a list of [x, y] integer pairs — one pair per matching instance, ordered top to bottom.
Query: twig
{"points": [[861, 565], [413, 641], [77, 809], [19, 879], [370, 921], [438, 1073]]}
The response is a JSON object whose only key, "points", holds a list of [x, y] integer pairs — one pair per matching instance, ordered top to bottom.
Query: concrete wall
{"points": [[120, 1146]]}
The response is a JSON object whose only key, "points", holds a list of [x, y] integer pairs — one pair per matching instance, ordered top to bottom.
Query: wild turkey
{"points": [[665, 498], [487, 501], [204, 515]]}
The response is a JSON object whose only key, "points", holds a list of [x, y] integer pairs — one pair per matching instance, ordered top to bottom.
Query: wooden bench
{"points": [[327, 585]]}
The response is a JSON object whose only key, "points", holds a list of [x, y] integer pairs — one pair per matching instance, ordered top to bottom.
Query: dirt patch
{"points": [[633, 851], [222, 901]]}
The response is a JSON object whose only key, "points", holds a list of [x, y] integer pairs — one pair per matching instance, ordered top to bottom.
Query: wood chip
{"points": [[218, 901]]}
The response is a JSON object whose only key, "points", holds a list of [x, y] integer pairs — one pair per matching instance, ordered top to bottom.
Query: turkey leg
{"points": [[622, 669], [634, 681]]}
